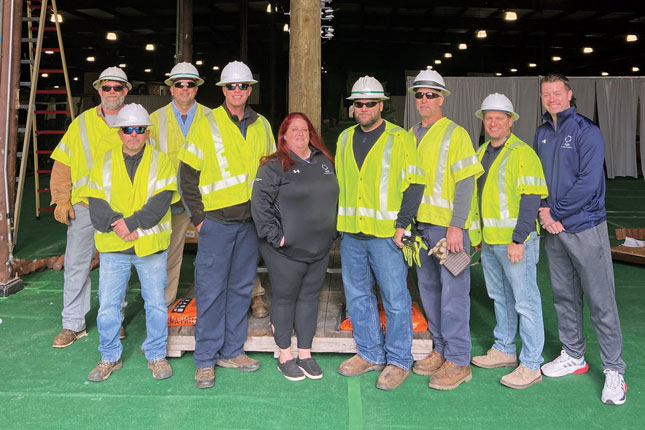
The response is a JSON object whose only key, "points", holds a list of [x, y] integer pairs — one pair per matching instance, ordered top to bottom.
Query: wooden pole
{"points": [[244, 31], [184, 45], [304, 59]]}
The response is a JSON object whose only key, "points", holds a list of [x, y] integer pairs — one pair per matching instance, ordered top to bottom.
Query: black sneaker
{"points": [[310, 368], [290, 370]]}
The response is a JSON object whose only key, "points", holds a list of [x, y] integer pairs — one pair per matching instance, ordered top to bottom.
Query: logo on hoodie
{"points": [[567, 142]]}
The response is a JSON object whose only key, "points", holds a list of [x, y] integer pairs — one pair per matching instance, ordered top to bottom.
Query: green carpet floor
{"points": [[42, 387]]}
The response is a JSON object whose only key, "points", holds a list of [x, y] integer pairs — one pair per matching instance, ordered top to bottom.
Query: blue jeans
{"points": [[363, 260], [114, 274], [513, 287]]}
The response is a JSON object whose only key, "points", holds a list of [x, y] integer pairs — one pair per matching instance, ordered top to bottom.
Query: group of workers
{"points": [[119, 174]]}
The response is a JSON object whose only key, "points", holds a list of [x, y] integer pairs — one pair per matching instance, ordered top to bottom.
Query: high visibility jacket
{"points": [[165, 131], [81, 144], [447, 156], [227, 162], [516, 170], [110, 181], [370, 198]]}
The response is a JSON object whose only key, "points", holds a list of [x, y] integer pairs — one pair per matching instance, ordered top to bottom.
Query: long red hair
{"points": [[282, 151]]}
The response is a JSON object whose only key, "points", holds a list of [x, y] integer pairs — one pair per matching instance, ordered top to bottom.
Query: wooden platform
{"points": [[628, 253], [328, 338]]}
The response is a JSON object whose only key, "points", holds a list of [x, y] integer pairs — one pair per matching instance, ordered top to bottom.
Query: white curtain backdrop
{"points": [[617, 105]]}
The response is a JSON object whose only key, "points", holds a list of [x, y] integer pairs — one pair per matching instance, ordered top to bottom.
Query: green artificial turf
{"points": [[46, 388]]}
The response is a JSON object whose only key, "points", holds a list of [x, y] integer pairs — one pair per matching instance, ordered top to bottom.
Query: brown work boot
{"points": [[259, 307], [121, 333], [67, 337], [495, 358], [242, 362], [429, 365], [357, 366], [160, 368], [103, 370], [449, 376], [205, 377], [391, 377], [522, 377]]}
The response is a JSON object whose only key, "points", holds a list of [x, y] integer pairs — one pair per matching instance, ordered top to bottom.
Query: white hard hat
{"points": [[184, 71], [236, 71], [112, 74], [429, 79], [367, 88], [497, 102], [132, 115]]}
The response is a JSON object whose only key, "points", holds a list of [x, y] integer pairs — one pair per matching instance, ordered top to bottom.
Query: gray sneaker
{"points": [[310, 368], [103, 370], [291, 370]]}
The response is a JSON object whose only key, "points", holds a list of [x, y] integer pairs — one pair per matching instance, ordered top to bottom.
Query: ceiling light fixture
{"points": [[269, 8], [510, 16], [60, 18], [285, 28], [481, 34], [111, 36], [631, 38], [463, 46], [150, 47], [587, 50], [49, 52], [447, 55], [556, 58], [90, 59], [437, 61], [199, 62], [122, 65], [532, 65], [215, 67], [428, 67], [635, 69], [148, 70], [513, 70], [498, 74], [604, 74], [45, 75], [75, 78]]}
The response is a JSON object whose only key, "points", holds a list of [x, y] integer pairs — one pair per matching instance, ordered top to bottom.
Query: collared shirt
{"points": [[249, 117], [185, 121]]}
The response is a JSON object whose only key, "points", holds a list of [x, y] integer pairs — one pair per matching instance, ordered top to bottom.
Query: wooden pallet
{"points": [[627, 253], [328, 338]]}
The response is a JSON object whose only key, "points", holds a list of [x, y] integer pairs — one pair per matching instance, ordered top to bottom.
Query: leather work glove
{"points": [[64, 212]]}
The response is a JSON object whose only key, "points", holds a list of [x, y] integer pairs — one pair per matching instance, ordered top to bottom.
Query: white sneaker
{"points": [[565, 364], [615, 390]]}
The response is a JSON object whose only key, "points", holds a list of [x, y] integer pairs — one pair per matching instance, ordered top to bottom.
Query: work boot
{"points": [[259, 307], [121, 333], [67, 337], [495, 358], [242, 362], [429, 365], [357, 366], [160, 368], [103, 370], [449, 376], [205, 377], [391, 377], [522, 377]]}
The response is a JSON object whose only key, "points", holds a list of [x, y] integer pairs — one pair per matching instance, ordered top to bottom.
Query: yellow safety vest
{"points": [[166, 133], [81, 144], [447, 156], [227, 162], [516, 170], [109, 181], [370, 199]]}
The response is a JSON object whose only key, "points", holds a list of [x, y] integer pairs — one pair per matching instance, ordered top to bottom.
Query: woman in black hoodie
{"points": [[294, 201]]}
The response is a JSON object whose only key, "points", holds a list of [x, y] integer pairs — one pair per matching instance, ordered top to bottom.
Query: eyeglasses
{"points": [[185, 84], [231, 87], [107, 88], [429, 95], [368, 104], [129, 130]]}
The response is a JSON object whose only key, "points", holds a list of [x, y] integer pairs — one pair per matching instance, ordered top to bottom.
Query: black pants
{"points": [[295, 286]]}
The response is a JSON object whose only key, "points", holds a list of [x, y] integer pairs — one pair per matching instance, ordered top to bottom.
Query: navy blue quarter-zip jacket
{"points": [[572, 153]]}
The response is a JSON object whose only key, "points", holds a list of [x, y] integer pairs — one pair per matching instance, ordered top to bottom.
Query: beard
{"points": [[113, 104]]}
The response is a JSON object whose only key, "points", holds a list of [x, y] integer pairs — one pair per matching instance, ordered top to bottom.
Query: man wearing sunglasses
{"points": [[170, 126], [73, 159], [448, 159], [218, 164], [381, 185], [130, 190]]}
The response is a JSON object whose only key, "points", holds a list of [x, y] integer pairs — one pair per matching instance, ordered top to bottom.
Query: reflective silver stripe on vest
{"points": [[163, 130], [270, 145], [65, 149], [193, 149], [219, 149], [87, 151], [458, 165], [416, 170], [152, 175], [107, 178], [83, 180], [384, 181], [533, 181], [224, 183], [435, 199], [343, 211], [380, 215], [504, 221], [500, 223], [475, 225], [159, 228]]}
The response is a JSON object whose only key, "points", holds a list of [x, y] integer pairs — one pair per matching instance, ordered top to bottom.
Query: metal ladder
{"points": [[31, 132]]}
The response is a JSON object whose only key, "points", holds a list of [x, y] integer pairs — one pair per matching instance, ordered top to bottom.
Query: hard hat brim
{"points": [[171, 80], [250, 82], [97, 84], [444, 92], [368, 97], [480, 113]]}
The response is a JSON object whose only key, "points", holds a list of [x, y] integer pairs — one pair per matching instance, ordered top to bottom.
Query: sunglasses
{"points": [[185, 84], [231, 87], [107, 88], [429, 95], [368, 104], [129, 130]]}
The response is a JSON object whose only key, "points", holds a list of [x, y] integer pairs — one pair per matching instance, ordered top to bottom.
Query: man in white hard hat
{"points": [[171, 125], [572, 151], [73, 159], [448, 159], [218, 164], [381, 185], [130, 190], [510, 191]]}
